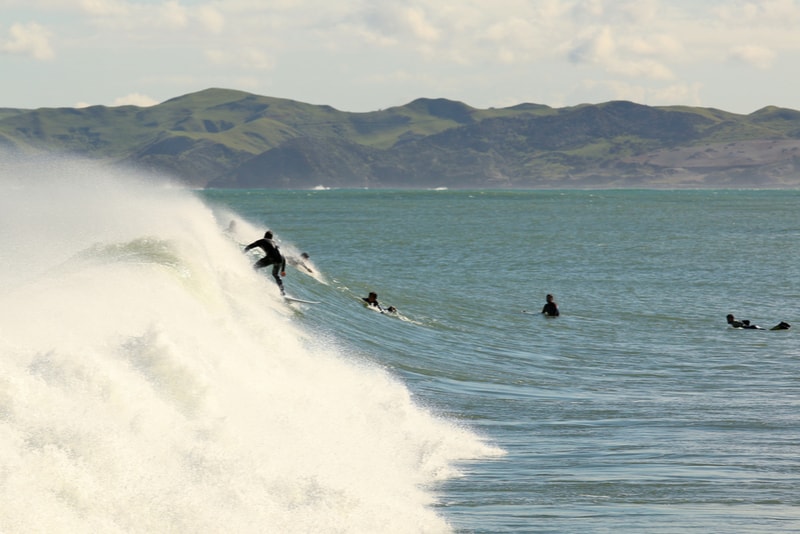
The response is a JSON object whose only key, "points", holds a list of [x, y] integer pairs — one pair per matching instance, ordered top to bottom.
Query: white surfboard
{"points": [[293, 299]]}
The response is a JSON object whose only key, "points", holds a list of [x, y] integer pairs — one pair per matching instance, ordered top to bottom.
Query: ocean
{"points": [[152, 381]]}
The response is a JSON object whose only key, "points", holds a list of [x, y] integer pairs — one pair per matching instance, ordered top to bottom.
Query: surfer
{"points": [[272, 257], [294, 262], [372, 300], [550, 308], [744, 323]]}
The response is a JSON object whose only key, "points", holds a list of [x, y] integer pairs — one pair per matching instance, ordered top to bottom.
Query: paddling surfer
{"points": [[372, 300], [744, 323]]}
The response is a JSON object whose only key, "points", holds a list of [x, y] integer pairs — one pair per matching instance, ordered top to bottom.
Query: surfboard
{"points": [[293, 299], [391, 310], [539, 313]]}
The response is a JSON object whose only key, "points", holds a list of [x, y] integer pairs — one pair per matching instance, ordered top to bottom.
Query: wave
{"points": [[150, 381]]}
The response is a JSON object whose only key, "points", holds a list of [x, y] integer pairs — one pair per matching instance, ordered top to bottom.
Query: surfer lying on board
{"points": [[272, 257], [372, 300], [550, 308], [744, 323], [740, 324]]}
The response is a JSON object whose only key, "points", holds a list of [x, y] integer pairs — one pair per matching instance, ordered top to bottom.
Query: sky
{"points": [[367, 55]]}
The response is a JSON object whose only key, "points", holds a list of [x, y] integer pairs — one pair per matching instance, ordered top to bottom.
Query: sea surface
{"points": [[151, 381]]}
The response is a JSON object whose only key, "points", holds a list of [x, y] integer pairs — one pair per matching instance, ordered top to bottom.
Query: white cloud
{"points": [[105, 8], [587, 11], [617, 12], [639, 12], [767, 13], [172, 15], [141, 17], [211, 19], [392, 24], [419, 25], [470, 32], [31, 40], [515, 40], [659, 45], [598, 47], [462, 48], [753, 55], [216, 56], [632, 57], [247, 58], [254, 58], [644, 68], [617, 90], [686, 94], [135, 99]]}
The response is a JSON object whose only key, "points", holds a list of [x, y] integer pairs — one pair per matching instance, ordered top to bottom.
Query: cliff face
{"points": [[223, 138]]}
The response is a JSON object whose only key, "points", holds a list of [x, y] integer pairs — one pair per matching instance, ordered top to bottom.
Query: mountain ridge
{"points": [[231, 138]]}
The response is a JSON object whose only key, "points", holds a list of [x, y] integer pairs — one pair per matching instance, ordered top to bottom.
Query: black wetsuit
{"points": [[272, 257], [374, 303], [550, 309]]}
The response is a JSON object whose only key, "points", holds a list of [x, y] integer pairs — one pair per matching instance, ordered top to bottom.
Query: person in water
{"points": [[272, 256], [301, 261], [372, 300], [550, 308], [744, 323]]}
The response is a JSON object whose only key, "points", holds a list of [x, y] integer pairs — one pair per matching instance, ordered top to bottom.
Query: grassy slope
{"points": [[248, 125]]}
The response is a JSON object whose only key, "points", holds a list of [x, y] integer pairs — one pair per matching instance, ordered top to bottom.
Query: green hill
{"points": [[228, 138]]}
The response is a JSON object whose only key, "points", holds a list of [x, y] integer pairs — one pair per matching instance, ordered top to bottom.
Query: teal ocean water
{"points": [[151, 381], [637, 409]]}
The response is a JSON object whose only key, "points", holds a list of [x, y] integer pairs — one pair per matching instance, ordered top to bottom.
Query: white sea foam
{"points": [[150, 381]]}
